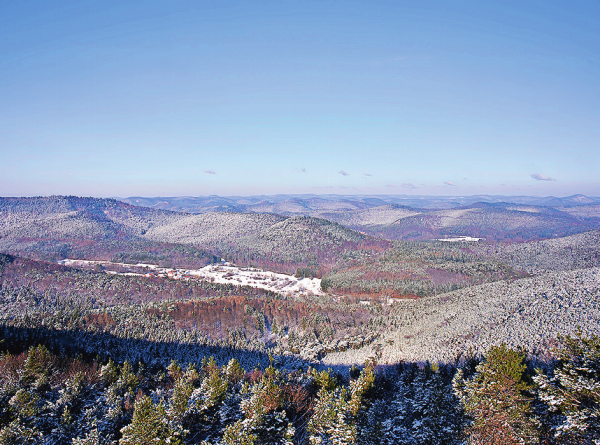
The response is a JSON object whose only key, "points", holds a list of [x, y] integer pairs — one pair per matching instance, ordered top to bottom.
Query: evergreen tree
{"points": [[38, 365], [234, 371], [109, 373], [128, 378], [182, 391], [573, 393], [498, 400], [24, 409], [421, 410], [337, 411], [265, 421], [149, 426], [15, 433], [92, 438]]}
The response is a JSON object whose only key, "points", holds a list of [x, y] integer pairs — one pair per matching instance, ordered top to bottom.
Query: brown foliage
{"points": [[10, 366]]}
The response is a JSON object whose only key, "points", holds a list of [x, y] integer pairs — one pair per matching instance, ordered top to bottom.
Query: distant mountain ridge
{"points": [[304, 204], [514, 218], [491, 221], [58, 227]]}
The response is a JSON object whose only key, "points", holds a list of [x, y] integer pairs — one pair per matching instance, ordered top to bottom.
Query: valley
{"points": [[222, 273], [461, 294], [299, 308]]}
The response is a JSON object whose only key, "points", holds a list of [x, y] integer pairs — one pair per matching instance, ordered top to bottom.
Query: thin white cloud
{"points": [[303, 170], [210, 172], [344, 173], [368, 174], [539, 177], [451, 184], [391, 185], [408, 185]]}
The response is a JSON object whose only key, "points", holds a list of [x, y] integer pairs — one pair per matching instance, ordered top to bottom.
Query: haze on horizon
{"points": [[245, 98]]}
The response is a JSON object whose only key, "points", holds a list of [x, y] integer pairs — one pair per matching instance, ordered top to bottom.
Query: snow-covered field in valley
{"points": [[225, 273]]}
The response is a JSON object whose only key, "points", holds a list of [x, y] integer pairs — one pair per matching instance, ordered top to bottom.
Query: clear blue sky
{"points": [[164, 98]]}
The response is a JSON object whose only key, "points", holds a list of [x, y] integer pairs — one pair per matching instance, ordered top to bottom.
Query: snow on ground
{"points": [[525, 209], [448, 217], [459, 239], [225, 273], [277, 282]]}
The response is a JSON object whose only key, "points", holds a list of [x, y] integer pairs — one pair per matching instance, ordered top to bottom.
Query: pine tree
{"points": [[274, 327], [39, 364], [234, 371], [109, 373], [128, 378], [182, 391], [573, 394], [498, 399], [24, 407], [422, 409], [337, 411], [265, 421], [149, 426], [15, 433], [92, 438]]}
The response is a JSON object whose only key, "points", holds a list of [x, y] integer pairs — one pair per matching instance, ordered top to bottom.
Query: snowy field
{"points": [[458, 239], [225, 273]]}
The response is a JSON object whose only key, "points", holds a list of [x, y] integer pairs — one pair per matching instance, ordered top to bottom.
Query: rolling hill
{"points": [[311, 205], [415, 218], [493, 222], [59, 227], [528, 313]]}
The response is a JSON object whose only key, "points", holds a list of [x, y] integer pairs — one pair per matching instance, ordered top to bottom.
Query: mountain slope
{"points": [[416, 218], [501, 221], [57, 227], [572, 252], [529, 312]]}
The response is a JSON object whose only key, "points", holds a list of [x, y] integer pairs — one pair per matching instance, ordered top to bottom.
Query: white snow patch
{"points": [[459, 239], [226, 273]]}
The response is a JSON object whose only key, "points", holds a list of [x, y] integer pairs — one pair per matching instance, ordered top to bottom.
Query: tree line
{"points": [[499, 398]]}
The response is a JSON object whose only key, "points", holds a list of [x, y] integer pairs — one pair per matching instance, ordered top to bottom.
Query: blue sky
{"points": [[160, 98]]}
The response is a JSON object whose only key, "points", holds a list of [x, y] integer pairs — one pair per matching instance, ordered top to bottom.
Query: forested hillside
{"points": [[313, 205], [512, 218], [493, 222], [58, 227], [61, 227], [99, 229], [572, 252], [94, 311], [529, 313], [409, 342], [47, 397]]}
